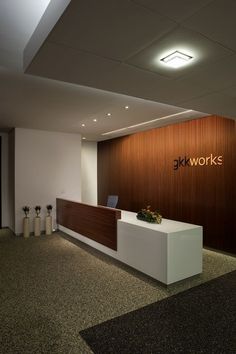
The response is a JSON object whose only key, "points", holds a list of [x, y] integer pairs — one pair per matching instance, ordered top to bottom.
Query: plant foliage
{"points": [[37, 209], [49, 209], [26, 210], [150, 216]]}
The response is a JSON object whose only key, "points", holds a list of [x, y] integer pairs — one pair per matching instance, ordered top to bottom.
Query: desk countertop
{"points": [[167, 226]]}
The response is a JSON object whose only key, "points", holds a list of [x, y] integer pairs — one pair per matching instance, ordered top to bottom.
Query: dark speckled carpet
{"points": [[52, 288], [199, 320]]}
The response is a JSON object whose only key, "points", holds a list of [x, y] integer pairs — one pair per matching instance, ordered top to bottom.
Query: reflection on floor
{"points": [[52, 287]]}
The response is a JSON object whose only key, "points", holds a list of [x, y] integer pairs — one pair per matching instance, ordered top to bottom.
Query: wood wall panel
{"points": [[139, 169], [95, 222]]}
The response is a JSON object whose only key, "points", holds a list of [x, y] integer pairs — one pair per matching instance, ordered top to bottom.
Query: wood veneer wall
{"points": [[139, 169]]}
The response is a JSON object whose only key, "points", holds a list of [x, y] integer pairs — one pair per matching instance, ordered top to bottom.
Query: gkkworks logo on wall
{"points": [[198, 161]]}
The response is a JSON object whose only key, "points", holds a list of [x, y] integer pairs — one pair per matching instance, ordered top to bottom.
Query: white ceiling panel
{"points": [[177, 9], [20, 22], [217, 22], [109, 28], [189, 42], [73, 66], [217, 76], [135, 82], [153, 86], [182, 90], [231, 92], [215, 103]]}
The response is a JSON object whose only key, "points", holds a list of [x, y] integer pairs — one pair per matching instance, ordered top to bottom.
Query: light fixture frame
{"points": [[183, 59]]}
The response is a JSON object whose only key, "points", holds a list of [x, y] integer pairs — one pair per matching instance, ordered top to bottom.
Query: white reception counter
{"points": [[169, 252]]}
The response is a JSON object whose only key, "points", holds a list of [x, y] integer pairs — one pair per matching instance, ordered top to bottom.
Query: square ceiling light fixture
{"points": [[176, 59]]}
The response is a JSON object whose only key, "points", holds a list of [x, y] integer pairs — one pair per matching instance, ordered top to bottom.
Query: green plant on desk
{"points": [[150, 216]]}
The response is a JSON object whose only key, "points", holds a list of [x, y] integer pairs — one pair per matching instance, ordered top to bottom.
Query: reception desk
{"points": [[168, 252]]}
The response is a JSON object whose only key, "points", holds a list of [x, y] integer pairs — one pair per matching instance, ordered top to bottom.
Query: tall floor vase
{"points": [[48, 225], [37, 226], [26, 227]]}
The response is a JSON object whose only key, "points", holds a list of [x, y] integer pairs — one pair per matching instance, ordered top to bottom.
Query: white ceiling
{"points": [[18, 20], [24, 25], [115, 46], [33, 102]]}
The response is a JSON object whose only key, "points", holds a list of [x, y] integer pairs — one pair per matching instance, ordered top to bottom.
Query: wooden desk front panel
{"points": [[95, 222]]}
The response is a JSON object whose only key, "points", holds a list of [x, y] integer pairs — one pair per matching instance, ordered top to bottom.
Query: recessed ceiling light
{"points": [[176, 59], [126, 107], [108, 114], [94, 119], [83, 125], [84, 138]]}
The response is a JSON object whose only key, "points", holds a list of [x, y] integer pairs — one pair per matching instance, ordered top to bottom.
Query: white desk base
{"points": [[168, 252]]}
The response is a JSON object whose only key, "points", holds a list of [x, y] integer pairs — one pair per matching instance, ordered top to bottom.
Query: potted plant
{"points": [[49, 209], [26, 210], [37, 210], [150, 216], [37, 221], [48, 226], [26, 230]]}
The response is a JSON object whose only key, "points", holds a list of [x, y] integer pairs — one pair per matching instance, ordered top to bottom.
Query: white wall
{"points": [[47, 166], [89, 172], [5, 178]]}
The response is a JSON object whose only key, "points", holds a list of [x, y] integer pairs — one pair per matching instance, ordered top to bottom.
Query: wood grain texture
{"points": [[139, 169], [95, 222]]}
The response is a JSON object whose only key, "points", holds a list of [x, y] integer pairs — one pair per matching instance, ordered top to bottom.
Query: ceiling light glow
{"points": [[176, 59], [126, 107], [108, 114], [95, 120], [148, 122], [83, 125]]}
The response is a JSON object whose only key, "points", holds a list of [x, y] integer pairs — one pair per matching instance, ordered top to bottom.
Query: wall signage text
{"points": [[198, 161]]}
